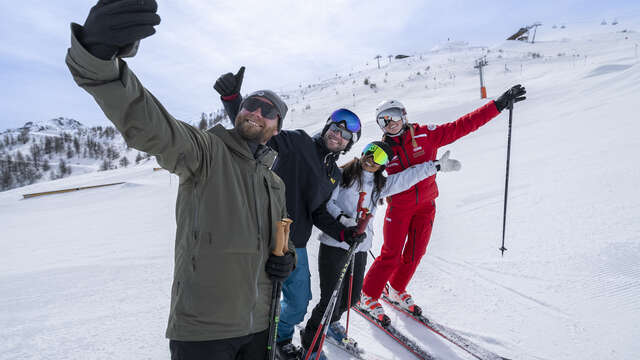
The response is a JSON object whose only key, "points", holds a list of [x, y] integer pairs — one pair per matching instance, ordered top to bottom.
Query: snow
{"points": [[54, 126], [79, 162], [87, 274]]}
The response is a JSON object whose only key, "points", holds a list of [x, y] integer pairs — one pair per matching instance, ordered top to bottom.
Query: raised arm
{"points": [[228, 86], [137, 114], [447, 133], [399, 182]]}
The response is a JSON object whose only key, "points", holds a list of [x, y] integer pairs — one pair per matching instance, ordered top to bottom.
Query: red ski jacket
{"points": [[420, 143]]}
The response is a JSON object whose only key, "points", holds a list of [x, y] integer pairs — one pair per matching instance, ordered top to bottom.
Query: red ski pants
{"points": [[406, 231]]}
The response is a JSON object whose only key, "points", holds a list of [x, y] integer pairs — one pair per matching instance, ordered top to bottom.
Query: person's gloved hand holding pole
{"points": [[113, 25], [515, 94], [350, 236], [279, 267]]}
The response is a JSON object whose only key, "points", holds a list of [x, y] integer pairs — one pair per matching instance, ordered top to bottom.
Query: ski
{"points": [[448, 334], [407, 343], [349, 348], [354, 351]]}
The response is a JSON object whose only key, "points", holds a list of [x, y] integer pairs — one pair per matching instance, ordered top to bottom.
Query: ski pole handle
{"points": [[360, 201], [362, 214], [362, 222], [282, 237]]}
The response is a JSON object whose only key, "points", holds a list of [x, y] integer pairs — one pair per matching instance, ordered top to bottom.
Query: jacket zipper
{"points": [[409, 164], [259, 238]]}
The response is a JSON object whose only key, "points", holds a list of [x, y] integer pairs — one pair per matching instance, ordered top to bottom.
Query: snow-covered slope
{"points": [[60, 147], [87, 274]]}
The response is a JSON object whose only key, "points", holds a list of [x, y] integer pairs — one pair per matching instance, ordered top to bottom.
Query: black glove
{"points": [[113, 25], [229, 84], [514, 94], [351, 237], [279, 267]]}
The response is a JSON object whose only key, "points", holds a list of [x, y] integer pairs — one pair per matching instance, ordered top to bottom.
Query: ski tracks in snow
{"points": [[478, 275]]}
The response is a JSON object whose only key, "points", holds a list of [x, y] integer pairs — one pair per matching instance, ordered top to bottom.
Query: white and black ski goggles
{"points": [[393, 114]]}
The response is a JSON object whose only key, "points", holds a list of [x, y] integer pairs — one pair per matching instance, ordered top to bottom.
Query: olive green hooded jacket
{"points": [[226, 211]]}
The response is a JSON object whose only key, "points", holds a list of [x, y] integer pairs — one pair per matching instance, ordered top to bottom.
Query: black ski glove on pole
{"points": [[113, 25], [229, 84], [514, 95], [351, 237], [279, 267]]}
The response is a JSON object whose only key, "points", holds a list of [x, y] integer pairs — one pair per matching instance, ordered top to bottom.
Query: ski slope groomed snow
{"points": [[87, 274]]}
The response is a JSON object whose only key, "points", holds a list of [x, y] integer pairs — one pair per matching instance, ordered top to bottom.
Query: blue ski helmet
{"points": [[351, 122]]}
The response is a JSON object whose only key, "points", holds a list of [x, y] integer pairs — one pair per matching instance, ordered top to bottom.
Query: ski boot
{"points": [[403, 299], [373, 307], [337, 333], [306, 340], [286, 350]]}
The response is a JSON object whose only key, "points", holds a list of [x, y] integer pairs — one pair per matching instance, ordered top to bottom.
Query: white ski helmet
{"points": [[386, 105]]}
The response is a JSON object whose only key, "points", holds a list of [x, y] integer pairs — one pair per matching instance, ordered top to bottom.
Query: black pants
{"points": [[330, 262], [249, 347]]}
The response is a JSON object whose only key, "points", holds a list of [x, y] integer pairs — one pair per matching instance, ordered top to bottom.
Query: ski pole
{"points": [[506, 181], [363, 216], [363, 219], [282, 237], [350, 291], [328, 312], [275, 319]]}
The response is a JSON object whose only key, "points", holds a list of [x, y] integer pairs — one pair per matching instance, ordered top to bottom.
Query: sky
{"points": [[282, 44]]}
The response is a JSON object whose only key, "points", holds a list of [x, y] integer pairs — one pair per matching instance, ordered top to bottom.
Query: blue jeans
{"points": [[296, 294]]}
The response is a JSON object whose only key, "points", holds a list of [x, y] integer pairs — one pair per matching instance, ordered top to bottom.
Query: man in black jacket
{"points": [[307, 165]]}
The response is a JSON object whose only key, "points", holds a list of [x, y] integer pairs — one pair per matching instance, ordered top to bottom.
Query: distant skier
{"points": [[307, 165], [364, 174], [229, 200], [409, 217]]}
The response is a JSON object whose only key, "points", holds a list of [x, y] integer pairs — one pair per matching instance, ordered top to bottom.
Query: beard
{"points": [[259, 134], [338, 144]]}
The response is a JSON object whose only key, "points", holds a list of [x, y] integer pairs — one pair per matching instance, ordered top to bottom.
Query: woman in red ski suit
{"points": [[409, 217]]}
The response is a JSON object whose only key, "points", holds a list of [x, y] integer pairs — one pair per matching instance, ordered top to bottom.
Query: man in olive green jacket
{"points": [[229, 201]]}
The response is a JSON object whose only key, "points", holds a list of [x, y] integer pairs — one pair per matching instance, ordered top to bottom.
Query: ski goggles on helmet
{"points": [[268, 111], [393, 114], [350, 120], [346, 134], [380, 156]]}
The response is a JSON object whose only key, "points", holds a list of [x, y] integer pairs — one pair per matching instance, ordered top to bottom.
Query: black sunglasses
{"points": [[267, 110], [346, 134]]}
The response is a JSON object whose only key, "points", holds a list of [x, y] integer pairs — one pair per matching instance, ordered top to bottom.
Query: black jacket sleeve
{"points": [[232, 107], [327, 223]]}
